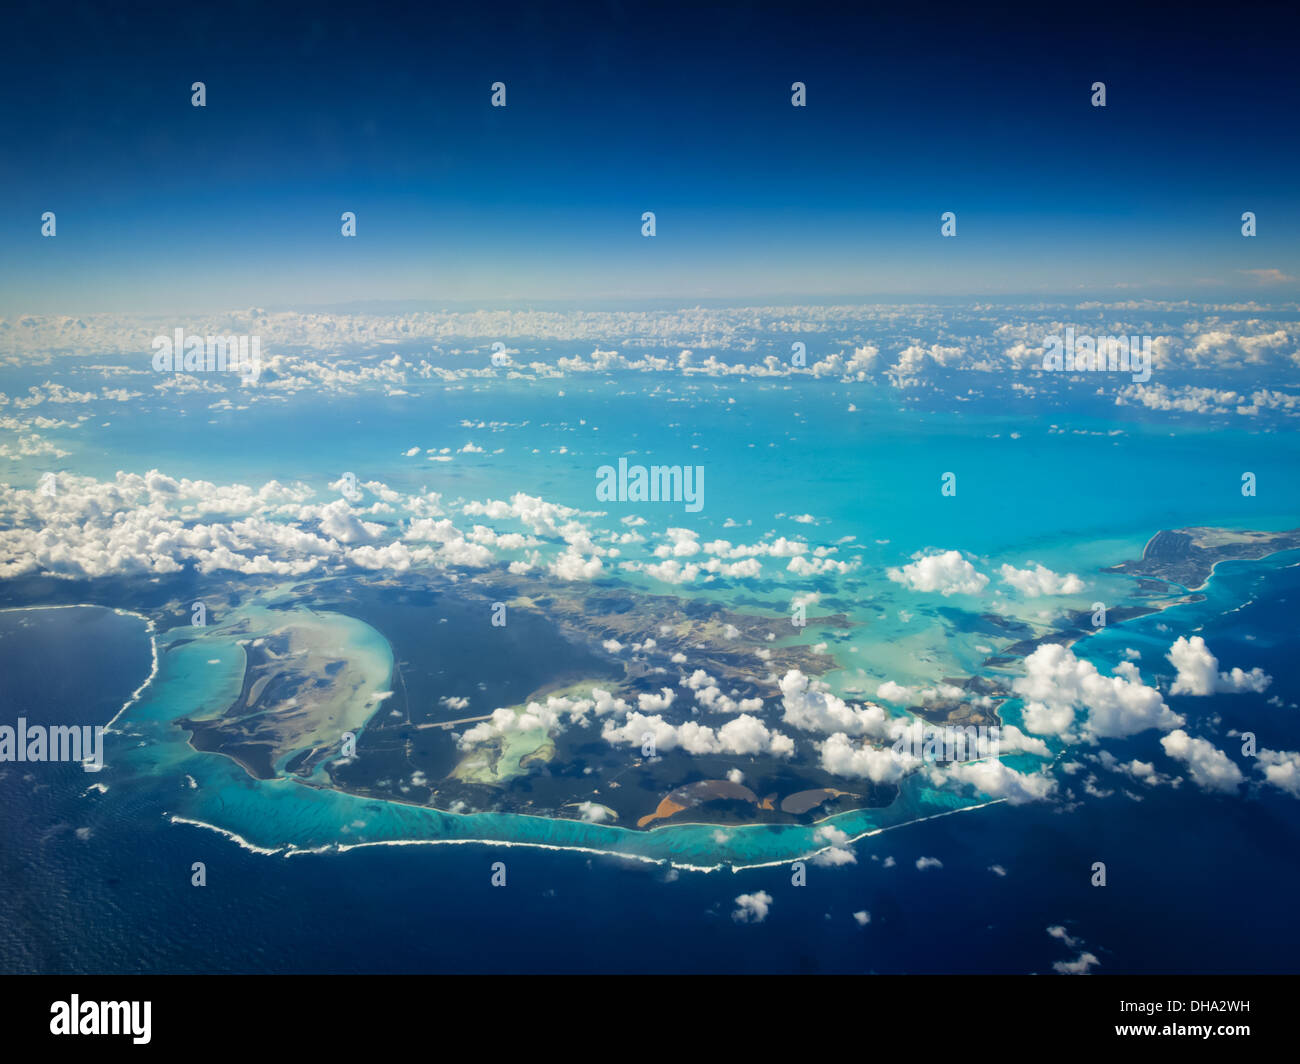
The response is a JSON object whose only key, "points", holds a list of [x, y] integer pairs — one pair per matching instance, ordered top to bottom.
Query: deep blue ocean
{"points": [[101, 883]]}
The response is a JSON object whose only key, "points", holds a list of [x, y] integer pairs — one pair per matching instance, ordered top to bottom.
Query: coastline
{"points": [[150, 627], [662, 832], [290, 850]]}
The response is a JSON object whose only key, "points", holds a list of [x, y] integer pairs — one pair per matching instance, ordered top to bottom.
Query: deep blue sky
{"points": [[619, 108]]}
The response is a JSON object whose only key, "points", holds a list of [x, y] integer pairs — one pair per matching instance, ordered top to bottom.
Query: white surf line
{"points": [[150, 627], [153, 672], [871, 832], [238, 839], [292, 850]]}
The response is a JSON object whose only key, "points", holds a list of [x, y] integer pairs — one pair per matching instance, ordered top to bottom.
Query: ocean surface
{"points": [[97, 866]]}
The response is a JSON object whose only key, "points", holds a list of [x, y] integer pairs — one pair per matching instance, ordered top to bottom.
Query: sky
{"points": [[614, 109]]}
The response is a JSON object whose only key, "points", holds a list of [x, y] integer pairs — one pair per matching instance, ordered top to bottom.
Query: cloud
{"points": [[1271, 275], [1211, 334], [1192, 399], [539, 516], [158, 524], [572, 566], [946, 572], [1039, 580], [1198, 671], [1057, 684], [894, 692], [899, 694], [710, 696], [654, 703], [809, 705], [551, 717], [744, 735], [749, 735], [841, 757], [1209, 767], [1281, 769], [1143, 772], [998, 780], [593, 813], [838, 852], [834, 857], [922, 863], [752, 908], [1059, 931], [1081, 965]]}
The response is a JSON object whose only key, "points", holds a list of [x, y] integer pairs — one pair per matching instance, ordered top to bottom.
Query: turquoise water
{"points": [[1064, 494], [1072, 499], [147, 749], [1181, 861]]}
